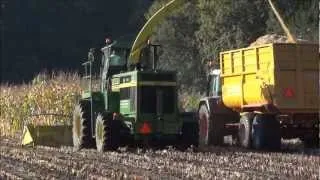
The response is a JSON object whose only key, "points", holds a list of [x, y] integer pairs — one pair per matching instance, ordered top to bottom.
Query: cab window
{"points": [[118, 58]]}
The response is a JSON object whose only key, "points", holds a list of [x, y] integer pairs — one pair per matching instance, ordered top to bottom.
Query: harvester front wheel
{"points": [[81, 126], [107, 133]]}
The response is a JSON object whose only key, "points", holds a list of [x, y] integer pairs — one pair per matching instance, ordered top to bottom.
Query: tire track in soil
{"points": [[46, 159], [117, 161], [223, 161], [219, 162], [89, 163], [180, 163], [70, 166], [92, 167], [27, 170], [175, 170], [7, 175]]}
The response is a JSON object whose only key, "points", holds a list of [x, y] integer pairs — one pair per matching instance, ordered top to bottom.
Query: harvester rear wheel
{"points": [[81, 127], [107, 133], [244, 133]]}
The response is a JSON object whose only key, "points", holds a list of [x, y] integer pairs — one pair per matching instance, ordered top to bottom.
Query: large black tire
{"points": [[81, 126], [210, 128], [266, 132], [107, 133], [190, 133], [244, 133], [311, 141]]}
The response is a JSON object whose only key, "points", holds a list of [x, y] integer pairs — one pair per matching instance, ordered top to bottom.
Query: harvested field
{"points": [[216, 162]]}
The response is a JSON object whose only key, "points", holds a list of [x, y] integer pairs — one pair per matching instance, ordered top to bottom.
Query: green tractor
{"points": [[136, 104]]}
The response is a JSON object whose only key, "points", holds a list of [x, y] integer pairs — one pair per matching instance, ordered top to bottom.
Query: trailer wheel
{"points": [[81, 126], [210, 128], [244, 132], [266, 132], [107, 133]]}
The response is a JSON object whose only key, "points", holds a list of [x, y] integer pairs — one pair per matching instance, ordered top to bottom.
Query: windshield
{"points": [[214, 85], [157, 99]]}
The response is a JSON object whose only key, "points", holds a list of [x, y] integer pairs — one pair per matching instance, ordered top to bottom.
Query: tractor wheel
{"points": [[81, 126], [210, 128], [266, 132], [107, 133], [217, 133], [244, 133], [311, 141]]}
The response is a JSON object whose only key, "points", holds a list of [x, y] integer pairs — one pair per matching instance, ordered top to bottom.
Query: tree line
{"points": [[199, 30], [56, 35]]}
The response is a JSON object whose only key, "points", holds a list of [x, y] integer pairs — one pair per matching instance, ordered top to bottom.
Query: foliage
{"points": [[301, 16], [228, 24], [201, 29], [176, 35], [53, 95], [189, 100]]}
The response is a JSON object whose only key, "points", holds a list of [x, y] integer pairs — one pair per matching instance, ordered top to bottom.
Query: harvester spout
{"points": [[147, 29], [290, 37]]}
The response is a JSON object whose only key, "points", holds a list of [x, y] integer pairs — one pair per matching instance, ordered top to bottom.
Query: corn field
{"points": [[50, 99], [47, 100]]}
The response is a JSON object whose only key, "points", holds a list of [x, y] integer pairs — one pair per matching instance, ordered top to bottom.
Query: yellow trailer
{"points": [[283, 77], [261, 94]]}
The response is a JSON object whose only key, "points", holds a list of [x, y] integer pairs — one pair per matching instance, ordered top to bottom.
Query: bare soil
{"points": [[228, 162]]}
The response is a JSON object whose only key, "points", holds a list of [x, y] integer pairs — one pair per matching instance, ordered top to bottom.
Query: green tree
{"points": [[301, 17], [229, 24], [179, 50]]}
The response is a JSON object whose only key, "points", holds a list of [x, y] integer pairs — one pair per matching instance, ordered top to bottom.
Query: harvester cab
{"points": [[113, 61], [137, 103]]}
